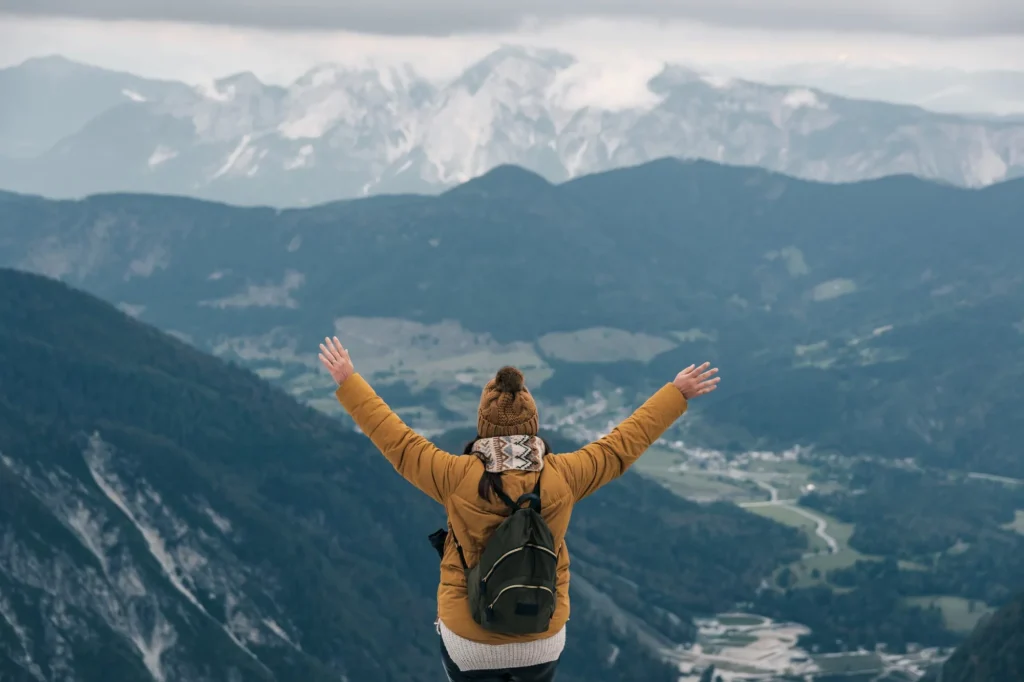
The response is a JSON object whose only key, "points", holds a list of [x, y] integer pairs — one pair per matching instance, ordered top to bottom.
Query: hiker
{"points": [[503, 598]]}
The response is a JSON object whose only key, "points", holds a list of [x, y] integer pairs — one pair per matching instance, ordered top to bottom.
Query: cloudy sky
{"points": [[278, 39]]}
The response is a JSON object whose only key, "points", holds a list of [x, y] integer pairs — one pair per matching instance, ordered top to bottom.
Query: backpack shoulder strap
{"points": [[532, 497], [506, 499], [458, 546]]}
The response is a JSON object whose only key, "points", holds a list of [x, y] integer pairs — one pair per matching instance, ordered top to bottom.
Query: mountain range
{"points": [[999, 93], [340, 132], [883, 317], [165, 515]]}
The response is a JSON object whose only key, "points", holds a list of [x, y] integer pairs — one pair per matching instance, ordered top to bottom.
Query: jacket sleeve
{"points": [[417, 459], [604, 460]]}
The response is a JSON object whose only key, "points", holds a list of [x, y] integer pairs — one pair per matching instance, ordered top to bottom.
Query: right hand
{"points": [[336, 359], [694, 381]]}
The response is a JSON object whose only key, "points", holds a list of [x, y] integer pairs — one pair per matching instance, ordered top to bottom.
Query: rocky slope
{"points": [[166, 516], [993, 653]]}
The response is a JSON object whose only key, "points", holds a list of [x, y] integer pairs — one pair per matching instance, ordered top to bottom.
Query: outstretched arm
{"points": [[417, 459], [606, 459]]}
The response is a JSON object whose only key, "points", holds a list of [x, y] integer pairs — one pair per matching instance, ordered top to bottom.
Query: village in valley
{"points": [[741, 647], [747, 647]]}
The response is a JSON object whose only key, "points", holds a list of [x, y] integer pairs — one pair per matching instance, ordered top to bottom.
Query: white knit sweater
{"points": [[470, 655]]}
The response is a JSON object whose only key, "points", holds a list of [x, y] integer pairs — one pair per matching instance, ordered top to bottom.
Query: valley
{"points": [[840, 483], [770, 484], [167, 515], [745, 647], [753, 647]]}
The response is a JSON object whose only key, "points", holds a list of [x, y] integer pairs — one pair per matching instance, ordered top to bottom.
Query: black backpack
{"points": [[512, 588]]}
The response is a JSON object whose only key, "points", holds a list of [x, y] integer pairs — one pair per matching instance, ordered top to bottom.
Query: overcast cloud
{"points": [[447, 17], [197, 53]]}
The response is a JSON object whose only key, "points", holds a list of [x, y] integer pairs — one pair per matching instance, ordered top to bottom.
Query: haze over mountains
{"points": [[952, 91], [345, 132], [817, 290], [883, 319], [874, 326]]}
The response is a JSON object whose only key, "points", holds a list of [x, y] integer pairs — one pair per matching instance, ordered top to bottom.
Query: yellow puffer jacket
{"points": [[452, 480]]}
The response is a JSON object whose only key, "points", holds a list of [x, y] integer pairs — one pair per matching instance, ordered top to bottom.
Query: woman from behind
{"points": [[503, 597]]}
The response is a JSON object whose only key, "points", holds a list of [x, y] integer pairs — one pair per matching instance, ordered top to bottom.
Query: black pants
{"points": [[545, 672]]}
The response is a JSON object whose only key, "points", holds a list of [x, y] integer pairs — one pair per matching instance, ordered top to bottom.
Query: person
{"points": [[510, 461]]}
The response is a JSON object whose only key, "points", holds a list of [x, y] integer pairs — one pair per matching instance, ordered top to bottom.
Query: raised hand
{"points": [[336, 359], [695, 381]]}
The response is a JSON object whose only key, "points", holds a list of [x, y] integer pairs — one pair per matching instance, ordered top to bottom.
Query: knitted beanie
{"points": [[506, 407]]}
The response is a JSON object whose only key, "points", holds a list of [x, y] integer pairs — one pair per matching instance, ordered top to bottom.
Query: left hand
{"points": [[336, 359], [695, 381]]}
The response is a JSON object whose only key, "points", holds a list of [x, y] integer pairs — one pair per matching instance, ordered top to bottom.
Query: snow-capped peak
{"points": [[519, 68], [676, 75], [392, 78], [244, 84], [239, 85], [610, 86], [331, 95], [355, 129]]}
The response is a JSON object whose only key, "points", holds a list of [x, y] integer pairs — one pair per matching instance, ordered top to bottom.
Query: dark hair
{"points": [[490, 482]]}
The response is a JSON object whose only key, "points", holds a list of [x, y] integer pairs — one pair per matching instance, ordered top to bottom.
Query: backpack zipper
{"points": [[513, 551], [525, 587]]}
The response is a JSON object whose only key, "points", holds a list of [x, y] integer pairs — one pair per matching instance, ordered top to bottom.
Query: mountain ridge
{"points": [[340, 132], [499, 174], [799, 283]]}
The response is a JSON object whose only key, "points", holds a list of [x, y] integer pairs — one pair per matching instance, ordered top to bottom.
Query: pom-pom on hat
{"points": [[506, 406]]}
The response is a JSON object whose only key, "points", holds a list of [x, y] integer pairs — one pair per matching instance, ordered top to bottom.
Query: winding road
{"points": [[821, 525]]}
